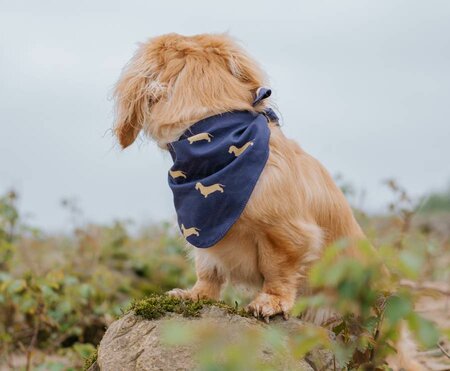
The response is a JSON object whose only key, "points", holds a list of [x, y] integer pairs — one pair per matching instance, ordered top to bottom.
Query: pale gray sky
{"points": [[364, 86]]}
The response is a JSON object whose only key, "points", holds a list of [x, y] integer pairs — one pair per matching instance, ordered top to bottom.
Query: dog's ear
{"points": [[238, 62], [243, 67], [135, 92]]}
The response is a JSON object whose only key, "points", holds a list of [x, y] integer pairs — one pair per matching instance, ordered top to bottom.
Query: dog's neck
{"points": [[173, 125], [168, 132]]}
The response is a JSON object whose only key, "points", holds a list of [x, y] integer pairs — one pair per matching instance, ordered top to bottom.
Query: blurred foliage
{"points": [[437, 202], [58, 293], [368, 302], [227, 348]]}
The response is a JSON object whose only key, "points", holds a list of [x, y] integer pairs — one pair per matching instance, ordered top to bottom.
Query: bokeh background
{"points": [[363, 86], [86, 229]]}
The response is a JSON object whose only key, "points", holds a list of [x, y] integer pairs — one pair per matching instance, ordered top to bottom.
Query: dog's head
{"points": [[174, 80]]}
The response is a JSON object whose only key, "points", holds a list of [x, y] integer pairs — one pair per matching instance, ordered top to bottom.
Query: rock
{"points": [[135, 343], [94, 367]]}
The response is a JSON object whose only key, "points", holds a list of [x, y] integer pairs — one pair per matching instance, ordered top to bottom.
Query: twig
{"points": [[432, 286], [377, 329], [34, 338], [443, 350], [430, 353]]}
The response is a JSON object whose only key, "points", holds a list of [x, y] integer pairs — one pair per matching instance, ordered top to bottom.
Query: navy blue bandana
{"points": [[217, 163]]}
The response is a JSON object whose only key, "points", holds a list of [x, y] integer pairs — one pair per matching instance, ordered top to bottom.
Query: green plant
{"points": [[436, 202], [60, 292], [369, 306], [90, 359]]}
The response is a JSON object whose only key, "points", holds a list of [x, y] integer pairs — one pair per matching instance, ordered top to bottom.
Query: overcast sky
{"points": [[364, 86]]}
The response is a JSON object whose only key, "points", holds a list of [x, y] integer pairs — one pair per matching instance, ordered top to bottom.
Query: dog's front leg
{"points": [[284, 253], [209, 282]]}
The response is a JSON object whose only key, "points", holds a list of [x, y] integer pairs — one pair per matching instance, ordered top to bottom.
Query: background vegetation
{"points": [[58, 293]]}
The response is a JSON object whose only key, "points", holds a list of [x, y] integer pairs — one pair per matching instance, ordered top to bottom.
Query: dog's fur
{"points": [[295, 211]]}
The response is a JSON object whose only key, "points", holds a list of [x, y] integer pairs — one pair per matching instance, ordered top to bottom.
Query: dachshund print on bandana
{"points": [[217, 163]]}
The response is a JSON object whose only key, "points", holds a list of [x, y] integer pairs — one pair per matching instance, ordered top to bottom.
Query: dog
{"points": [[295, 210]]}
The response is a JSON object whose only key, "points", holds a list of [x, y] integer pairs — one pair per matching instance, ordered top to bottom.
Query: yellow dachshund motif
{"points": [[198, 137], [238, 151], [177, 173], [207, 190], [189, 231]]}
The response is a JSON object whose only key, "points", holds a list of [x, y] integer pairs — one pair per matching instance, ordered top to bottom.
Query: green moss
{"points": [[156, 306], [89, 361]]}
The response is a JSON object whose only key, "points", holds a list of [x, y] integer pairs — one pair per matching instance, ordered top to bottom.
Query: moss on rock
{"points": [[156, 306], [89, 361]]}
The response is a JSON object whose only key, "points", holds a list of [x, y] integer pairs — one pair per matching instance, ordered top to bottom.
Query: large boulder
{"points": [[139, 340]]}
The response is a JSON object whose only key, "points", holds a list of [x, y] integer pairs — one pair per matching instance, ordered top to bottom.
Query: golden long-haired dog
{"points": [[295, 210]]}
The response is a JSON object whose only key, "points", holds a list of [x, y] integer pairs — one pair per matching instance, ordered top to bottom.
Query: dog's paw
{"points": [[180, 293], [194, 295], [267, 305]]}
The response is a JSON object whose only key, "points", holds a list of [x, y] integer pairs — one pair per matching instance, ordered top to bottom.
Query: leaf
{"points": [[411, 263], [16, 286], [86, 290], [306, 302], [397, 308], [339, 328], [426, 332], [176, 334], [310, 337], [274, 339], [84, 350], [343, 353]]}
